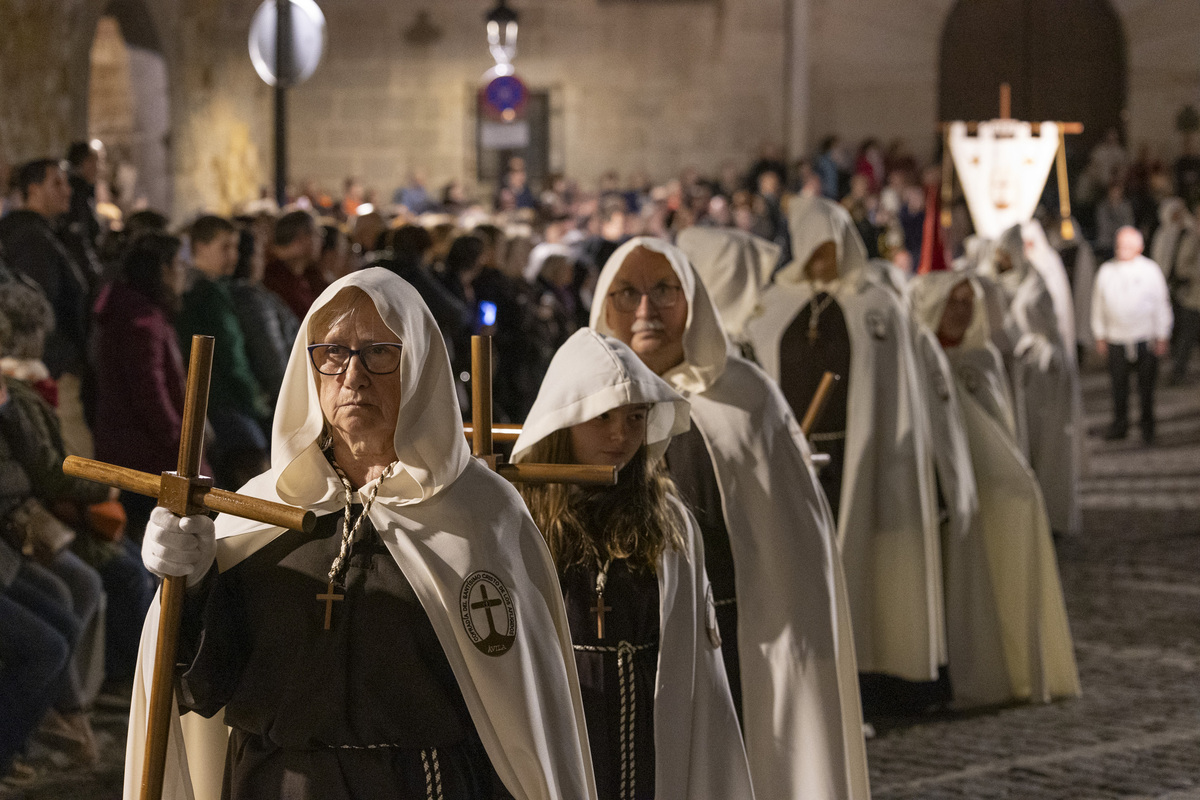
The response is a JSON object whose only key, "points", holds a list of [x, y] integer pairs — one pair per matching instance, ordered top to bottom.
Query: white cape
{"points": [[592, 374], [1046, 381], [448, 521], [888, 528], [1019, 643], [802, 717]]}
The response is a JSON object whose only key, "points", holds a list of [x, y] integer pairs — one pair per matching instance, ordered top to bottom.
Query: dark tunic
{"points": [[802, 363], [692, 470], [625, 662], [367, 709]]}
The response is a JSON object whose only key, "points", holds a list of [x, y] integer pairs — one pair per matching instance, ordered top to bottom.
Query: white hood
{"points": [[812, 221], [734, 266], [705, 347], [591, 374], [428, 439]]}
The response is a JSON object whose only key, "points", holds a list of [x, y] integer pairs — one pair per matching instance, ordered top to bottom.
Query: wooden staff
{"points": [[1064, 190], [817, 404], [483, 436], [183, 492]]}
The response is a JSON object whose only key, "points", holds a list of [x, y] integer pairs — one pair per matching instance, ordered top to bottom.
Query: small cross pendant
{"points": [[328, 598], [599, 610]]}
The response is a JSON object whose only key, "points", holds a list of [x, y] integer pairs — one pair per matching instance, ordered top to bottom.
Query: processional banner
{"points": [[1003, 169]]}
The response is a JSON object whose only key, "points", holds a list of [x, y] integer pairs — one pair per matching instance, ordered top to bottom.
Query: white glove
{"points": [[181, 547]]}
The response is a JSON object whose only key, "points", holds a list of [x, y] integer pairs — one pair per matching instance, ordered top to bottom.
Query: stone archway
{"points": [[1065, 60], [128, 104]]}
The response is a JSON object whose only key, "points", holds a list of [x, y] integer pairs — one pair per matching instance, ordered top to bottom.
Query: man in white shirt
{"points": [[1131, 320]]}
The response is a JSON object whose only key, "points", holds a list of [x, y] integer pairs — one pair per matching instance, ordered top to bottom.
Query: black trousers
{"points": [[1119, 368]]}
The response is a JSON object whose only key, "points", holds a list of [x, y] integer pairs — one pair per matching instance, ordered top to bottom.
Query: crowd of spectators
{"points": [[97, 315]]}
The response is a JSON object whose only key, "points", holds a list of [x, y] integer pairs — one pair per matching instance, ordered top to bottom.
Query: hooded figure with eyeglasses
{"points": [[415, 644]]}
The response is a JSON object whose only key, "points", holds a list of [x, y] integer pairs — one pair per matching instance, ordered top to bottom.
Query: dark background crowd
{"points": [[98, 305]]}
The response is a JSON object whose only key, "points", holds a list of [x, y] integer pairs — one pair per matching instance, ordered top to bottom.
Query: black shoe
{"points": [[1115, 433]]}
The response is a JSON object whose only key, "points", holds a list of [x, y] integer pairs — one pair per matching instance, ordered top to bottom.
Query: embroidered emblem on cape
{"points": [[877, 324], [487, 613], [710, 619]]}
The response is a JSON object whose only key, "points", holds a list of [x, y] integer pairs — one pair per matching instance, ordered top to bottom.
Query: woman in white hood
{"points": [[415, 643], [1018, 644], [660, 718]]}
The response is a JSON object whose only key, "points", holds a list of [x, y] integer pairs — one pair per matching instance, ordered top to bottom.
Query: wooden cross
{"points": [[1064, 190], [483, 435], [183, 492], [329, 598], [599, 610]]}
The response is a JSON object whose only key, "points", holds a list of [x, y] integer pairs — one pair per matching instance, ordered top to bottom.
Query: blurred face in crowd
{"points": [[52, 196], [1129, 244], [218, 256], [822, 264], [647, 310], [957, 315], [611, 439]]}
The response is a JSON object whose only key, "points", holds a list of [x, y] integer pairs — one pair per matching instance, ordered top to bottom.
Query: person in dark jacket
{"points": [[33, 248], [269, 325], [237, 406]]}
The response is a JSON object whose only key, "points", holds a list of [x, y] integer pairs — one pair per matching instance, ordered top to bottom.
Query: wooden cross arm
{"points": [[1036, 127], [500, 433], [577, 474], [196, 496]]}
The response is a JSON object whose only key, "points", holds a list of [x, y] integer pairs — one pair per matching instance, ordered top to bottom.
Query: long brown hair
{"points": [[634, 520]]}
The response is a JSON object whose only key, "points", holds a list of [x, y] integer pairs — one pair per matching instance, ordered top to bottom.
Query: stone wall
{"points": [[652, 86]]}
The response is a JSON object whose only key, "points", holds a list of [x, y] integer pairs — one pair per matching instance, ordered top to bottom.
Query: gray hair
{"points": [[28, 317]]}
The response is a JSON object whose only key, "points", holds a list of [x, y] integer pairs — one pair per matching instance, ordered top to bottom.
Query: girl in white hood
{"points": [[659, 714]]}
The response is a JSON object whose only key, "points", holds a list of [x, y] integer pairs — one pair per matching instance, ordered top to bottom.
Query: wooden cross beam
{"points": [[1006, 113], [483, 436], [183, 492]]}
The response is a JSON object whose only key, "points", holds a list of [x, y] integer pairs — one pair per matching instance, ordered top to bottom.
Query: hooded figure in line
{"points": [[829, 310], [744, 468], [1008, 631], [444, 668], [661, 722]]}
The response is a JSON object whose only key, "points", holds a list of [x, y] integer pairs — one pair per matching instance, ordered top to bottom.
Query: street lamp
{"points": [[502, 35]]}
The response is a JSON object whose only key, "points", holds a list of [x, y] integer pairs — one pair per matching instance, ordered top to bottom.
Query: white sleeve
{"points": [[1164, 316], [1099, 329]]}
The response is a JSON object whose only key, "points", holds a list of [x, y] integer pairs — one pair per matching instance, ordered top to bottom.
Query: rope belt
{"points": [[831, 436], [625, 652], [429, 761], [432, 781]]}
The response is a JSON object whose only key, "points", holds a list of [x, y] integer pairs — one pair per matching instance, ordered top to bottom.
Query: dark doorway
{"points": [[1065, 60], [491, 160]]}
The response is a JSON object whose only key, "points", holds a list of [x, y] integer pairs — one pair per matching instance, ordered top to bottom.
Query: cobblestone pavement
{"points": [[1134, 603]]}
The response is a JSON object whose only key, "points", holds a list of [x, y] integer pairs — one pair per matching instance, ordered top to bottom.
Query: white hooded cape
{"points": [[734, 266], [1046, 381], [444, 517], [888, 529], [1019, 647], [801, 713], [698, 746]]}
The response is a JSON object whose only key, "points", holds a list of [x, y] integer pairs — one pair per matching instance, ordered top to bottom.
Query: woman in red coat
{"points": [[140, 374]]}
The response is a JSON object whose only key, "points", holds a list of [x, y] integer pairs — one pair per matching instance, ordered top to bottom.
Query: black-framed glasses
{"points": [[662, 295], [379, 358]]}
